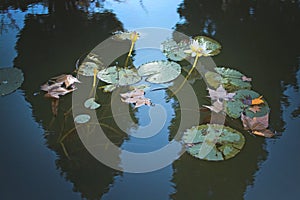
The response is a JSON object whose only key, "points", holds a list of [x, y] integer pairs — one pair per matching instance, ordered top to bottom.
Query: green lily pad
{"points": [[211, 44], [173, 50], [87, 68], [160, 71], [109, 75], [119, 76], [128, 77], [213, 79], [232, 79], [10, 80], [91, 104], [236, 107], [81, 119], [213, 142]]}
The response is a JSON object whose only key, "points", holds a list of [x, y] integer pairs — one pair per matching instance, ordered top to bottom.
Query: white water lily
{"points": [[198, 49]]}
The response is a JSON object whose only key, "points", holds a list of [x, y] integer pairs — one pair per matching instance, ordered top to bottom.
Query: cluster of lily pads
{"points": [[229, 90]]}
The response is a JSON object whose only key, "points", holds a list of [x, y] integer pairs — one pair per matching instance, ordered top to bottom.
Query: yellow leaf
{"points": [[257, 101]]}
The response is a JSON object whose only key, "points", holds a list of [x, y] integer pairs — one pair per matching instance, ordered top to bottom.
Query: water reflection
{"points": [[250, 33], [259, 38], [48, 45]]}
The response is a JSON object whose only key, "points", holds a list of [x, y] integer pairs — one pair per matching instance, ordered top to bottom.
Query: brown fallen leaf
{"points": [[66, 79], [246, 79], [60, 85], [133, 93], [220, 94], [135, 97], [217, 106], [255, 108], [256, 123], [265, 133]]}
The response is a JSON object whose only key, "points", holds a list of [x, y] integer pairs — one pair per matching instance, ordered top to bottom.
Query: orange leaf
{"points": [[257, 101], [265, 133]]}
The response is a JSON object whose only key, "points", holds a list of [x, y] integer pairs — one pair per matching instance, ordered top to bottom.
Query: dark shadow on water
{"points": [[49, 45]]}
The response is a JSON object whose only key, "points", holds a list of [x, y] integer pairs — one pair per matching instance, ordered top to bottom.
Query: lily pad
{"points": [[211, 44], [173, 50], [87, 68], [160, 71], [109, 75], [116, 76], [128, 77], [213, 79], [10, 80], [232, 80], [109, 88], [91, 104], [236, 107], [81, 119], [227, 143]]}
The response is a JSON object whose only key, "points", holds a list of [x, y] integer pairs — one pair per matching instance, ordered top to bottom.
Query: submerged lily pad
{"points": [[211, 44], [173, 50], [87, 68], [160, 71], [116, 76], [213, 79], [10, 80], [232, 80], [109, 88], [91, 104], [236, 107], [81, 119], [226, 144]]}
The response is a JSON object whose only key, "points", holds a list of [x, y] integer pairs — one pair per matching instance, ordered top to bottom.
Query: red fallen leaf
{"points": [[246, 79], [255, 108]]}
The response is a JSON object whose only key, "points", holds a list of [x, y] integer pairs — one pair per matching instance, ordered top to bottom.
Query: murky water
{"points": [[259, 38]]}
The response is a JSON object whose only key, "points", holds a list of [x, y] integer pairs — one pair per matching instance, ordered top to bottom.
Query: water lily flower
{"points": [[134, 36], [198, 49]]}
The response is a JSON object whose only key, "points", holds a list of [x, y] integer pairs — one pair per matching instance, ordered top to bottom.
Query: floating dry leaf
{"points": [[246, 79], [59, 86], [220, 94], [135, 97], [257, 101], [217, 106], [255, 108], [255, 123]]}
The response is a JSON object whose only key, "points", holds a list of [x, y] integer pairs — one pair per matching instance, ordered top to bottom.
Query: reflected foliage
{"points": [[49, 45]]}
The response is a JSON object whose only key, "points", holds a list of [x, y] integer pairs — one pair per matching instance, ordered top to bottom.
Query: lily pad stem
{"points": [[129, 54], [188, 75]]}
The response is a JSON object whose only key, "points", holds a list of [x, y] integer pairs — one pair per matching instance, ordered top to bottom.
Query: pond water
{"points": [[46, 38]]}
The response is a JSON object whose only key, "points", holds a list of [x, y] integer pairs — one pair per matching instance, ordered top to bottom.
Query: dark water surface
{"points": [[45, 39]]}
